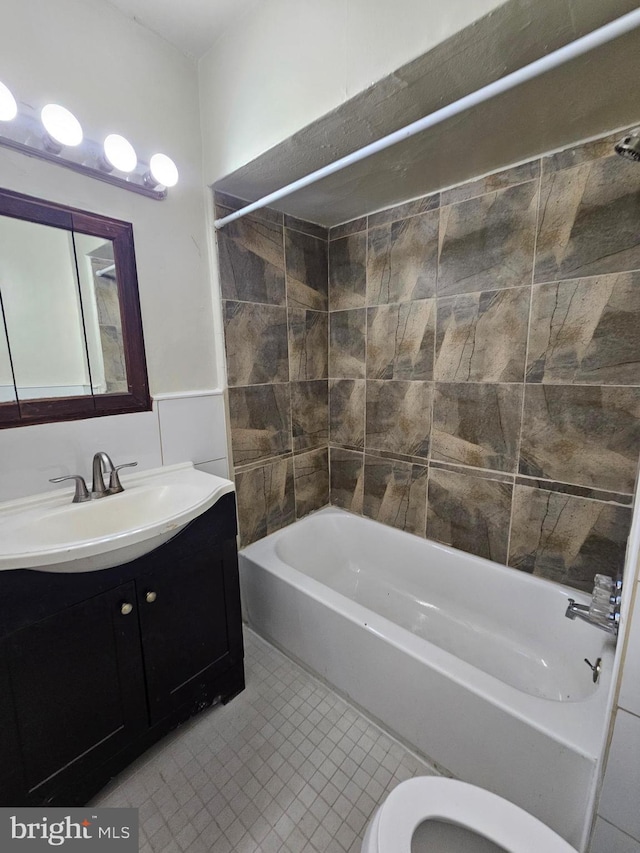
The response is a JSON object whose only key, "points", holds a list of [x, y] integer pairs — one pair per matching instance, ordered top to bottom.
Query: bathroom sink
{"points": [[49, 533]]}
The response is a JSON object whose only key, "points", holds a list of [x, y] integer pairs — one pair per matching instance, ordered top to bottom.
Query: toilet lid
{"points": [[435, 798]]}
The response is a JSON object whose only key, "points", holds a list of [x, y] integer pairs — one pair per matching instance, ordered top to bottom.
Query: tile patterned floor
{"points": [[287, 766]]}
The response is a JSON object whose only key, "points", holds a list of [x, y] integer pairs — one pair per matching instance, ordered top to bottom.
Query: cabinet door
{"points": [[185, 642], [78, 686], [11, 779]]}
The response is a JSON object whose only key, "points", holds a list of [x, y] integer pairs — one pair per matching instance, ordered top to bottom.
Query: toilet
{"points": [[431, 813]]}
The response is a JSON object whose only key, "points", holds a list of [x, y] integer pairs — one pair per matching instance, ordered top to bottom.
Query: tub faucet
{"points": [[604, 610]]}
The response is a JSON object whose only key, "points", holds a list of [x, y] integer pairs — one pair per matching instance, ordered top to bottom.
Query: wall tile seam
{"points": [[489, 192], [305, 233], [346, 236], [286, 300], [263, 304], [526, 362], [472, 382], [266, 461], [507, 477]]}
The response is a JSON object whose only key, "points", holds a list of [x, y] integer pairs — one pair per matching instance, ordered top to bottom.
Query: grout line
{"points": [[286, 303], [366, 354], [526, 359], [328, 379]]}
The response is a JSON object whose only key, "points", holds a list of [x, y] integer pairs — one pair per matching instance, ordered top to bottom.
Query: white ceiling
{"points": [[190, 25]]}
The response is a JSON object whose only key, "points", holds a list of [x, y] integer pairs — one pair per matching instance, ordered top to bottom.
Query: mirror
{"points": [[71, 340]]}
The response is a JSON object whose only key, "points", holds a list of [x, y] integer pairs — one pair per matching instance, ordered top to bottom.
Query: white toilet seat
{"points": [[436, 798]]}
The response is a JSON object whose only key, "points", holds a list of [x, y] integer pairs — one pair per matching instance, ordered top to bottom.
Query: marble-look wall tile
{"points": [[582, 153], [492, 183], [225, 204], [402, 211], [588, 222], [306, 227], [348, 228], [487, 242], [402, 260], [251, 261], [307, 271], [348, 272], [347, 331], [586, 331], [482, 337], [400, 340], [256, 343], [308, 344], [346, 412], [309, 414], [399, 416], [260, 417], [477, 425], [581, 434], [478, 473], [311, 475], [347, 479], [577, 491], [395, 493], [266, 499], [469, 513], [565, 538]]}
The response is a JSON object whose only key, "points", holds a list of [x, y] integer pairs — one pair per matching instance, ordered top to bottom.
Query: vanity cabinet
{"points": [[97, 666]]}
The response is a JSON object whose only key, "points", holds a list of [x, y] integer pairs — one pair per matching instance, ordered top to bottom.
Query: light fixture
{"points": [[8, 105], [62, 127], [55, 135], [119, 153], [162, 171]]}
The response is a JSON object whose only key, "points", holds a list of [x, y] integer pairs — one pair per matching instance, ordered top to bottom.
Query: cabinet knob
{"points": [[150, 597], [126, 608]]}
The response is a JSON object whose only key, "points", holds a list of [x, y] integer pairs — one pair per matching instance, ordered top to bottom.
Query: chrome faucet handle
{"points": [[115, 486], [82, 493]]}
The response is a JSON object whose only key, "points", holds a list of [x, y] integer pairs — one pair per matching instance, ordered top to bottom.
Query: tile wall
{"points": [[274, 284], [484, 364], [466, 365]]}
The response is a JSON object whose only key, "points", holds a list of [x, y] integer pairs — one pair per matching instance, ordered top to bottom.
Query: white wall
{"points": [[291, 61], [118, 77]]}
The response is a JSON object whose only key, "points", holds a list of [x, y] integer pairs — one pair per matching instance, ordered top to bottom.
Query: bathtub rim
{"points": [[582, 730]]}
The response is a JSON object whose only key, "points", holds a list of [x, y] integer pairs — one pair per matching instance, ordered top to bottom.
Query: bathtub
{"points": [[470, 662]]}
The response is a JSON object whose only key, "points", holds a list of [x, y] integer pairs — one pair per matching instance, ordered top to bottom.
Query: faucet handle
{"points": [[115, 486], [82, 493]]}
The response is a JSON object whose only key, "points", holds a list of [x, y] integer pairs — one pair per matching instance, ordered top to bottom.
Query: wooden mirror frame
{"points": [[136, 398]]}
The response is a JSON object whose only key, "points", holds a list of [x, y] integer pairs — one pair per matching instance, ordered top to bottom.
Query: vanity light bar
{"points": [[56, 136]]}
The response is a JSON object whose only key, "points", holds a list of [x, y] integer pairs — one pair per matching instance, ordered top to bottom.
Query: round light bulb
{"points": [[8, 105], [61, 125], [120, 153], [163, 170]]}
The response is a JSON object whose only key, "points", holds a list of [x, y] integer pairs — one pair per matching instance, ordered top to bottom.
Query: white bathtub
{"points": [[472, 663]]}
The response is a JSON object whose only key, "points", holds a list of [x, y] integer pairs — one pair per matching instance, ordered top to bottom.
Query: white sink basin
{"points": [[49, 533]]}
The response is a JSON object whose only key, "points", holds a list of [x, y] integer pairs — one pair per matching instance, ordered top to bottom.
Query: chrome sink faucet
{"points": [[101, 461], [102, 464]]}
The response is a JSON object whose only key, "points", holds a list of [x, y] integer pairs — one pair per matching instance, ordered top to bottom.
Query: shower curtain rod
{"points": [[580, 46]]}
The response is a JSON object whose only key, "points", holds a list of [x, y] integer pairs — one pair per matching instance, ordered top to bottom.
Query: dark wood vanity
{"points": [[97, 666]]}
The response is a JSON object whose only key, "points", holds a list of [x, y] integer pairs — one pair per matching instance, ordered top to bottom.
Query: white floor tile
{"points": [[287, 766]]}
